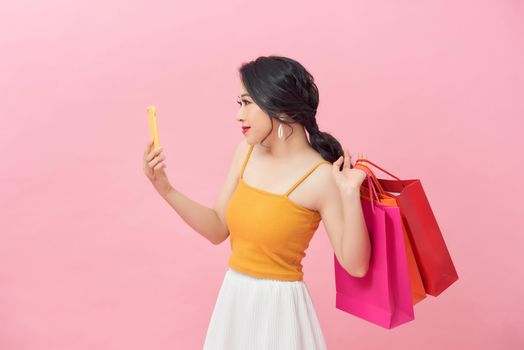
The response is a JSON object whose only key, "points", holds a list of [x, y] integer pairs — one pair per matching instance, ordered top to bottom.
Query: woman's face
{"points": [[250, 115]]}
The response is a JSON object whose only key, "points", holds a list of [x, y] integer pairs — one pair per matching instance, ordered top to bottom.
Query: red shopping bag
{"points": [[433, 259], [383, 296]]}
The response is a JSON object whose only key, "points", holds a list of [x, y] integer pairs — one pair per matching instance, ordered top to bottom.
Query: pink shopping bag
{"points": [[383, 296]]}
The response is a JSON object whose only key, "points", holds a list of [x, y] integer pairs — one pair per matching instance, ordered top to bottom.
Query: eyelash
{"points": [[240, 103]]}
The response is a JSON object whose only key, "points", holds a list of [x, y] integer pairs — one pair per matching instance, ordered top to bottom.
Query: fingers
{"points": [[148, 147], [154, 153], [361, 156], [346, 158], [153, 159], [337, 162], [347, 162], [153, 163], [159, 166]]}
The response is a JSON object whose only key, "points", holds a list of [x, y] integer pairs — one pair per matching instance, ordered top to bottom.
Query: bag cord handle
{"points": [[376, 166], [372, 191]]}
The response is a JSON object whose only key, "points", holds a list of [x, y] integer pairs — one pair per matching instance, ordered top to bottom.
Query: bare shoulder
{"points": [[240, 153], [324, 183]]}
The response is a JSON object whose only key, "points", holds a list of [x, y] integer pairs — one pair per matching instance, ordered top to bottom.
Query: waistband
{"points": [[242, 276]]}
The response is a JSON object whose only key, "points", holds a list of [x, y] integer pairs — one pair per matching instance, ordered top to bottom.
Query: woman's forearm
{"points": [[202, 219], [356, 247]]}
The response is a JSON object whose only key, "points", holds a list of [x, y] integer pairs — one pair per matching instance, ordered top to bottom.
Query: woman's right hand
{"points": [[154, 168]]}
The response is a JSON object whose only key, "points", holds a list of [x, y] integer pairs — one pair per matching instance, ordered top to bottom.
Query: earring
{"points": [[280, 128]]}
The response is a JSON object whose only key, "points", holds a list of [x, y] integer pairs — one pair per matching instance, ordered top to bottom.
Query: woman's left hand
{"points": [[349, 178]]}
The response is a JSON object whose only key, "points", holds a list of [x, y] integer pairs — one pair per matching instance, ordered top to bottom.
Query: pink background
{"points": [[91, 257]]}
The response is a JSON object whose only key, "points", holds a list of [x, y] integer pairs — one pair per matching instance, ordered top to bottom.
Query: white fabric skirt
{"points": [[263, 314]]}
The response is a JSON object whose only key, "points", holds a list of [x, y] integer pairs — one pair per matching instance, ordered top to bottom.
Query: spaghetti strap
{"points": [[245, 161], [305, 176]]}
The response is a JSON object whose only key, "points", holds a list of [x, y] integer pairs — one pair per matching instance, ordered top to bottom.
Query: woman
{"points": [[277, 191]]}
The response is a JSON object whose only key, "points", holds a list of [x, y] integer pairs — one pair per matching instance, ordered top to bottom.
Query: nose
{"points": [[238, 117]]}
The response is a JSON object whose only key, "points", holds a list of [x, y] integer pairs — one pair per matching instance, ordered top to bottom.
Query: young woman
{"points": [[279, 187]]}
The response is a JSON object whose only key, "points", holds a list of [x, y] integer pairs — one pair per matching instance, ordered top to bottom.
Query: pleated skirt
{"points": [[253, 313]]}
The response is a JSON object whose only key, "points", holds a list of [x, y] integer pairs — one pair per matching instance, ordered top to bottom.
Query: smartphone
{"points": [[153, 126]]}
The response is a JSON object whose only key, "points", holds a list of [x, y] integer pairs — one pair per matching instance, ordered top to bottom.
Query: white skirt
{"points": [[259, 313]]}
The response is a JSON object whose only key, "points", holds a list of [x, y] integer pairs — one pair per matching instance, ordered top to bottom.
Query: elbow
{"points": [[219, 239], [216, 241], [359, 268], [357, 272]]}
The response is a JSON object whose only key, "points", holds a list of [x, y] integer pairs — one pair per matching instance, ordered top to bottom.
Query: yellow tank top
{"points": [[269, 233]]}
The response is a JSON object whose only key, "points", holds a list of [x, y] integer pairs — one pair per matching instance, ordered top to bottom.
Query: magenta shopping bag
{"points": [[383, 296]]}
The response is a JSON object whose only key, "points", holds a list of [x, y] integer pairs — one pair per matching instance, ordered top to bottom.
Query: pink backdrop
{"points": [[92, 258]]}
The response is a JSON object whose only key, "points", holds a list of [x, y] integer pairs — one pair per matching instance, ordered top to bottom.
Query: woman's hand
{"points": [[154, 168], [349, 178]]}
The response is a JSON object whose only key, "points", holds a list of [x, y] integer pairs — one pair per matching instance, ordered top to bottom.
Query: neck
{"points": [[289, 145]]}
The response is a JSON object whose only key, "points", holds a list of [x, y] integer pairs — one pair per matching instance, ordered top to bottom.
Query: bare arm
{"points": [[202, 219], [208, 222], [344, 222], [356, 247]]}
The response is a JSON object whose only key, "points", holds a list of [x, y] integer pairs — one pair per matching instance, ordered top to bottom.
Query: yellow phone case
{"points": [[153, 125]]}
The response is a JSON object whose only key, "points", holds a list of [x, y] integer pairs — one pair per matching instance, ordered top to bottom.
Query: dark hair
{"points": [[280, 84]]}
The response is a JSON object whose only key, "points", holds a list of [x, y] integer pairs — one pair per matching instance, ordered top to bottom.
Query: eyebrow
{"points": [[246, 94]]}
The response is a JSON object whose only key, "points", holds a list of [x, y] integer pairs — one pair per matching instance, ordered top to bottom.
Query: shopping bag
{"points": [[433, 258], [417, 286], [382, 296]]}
